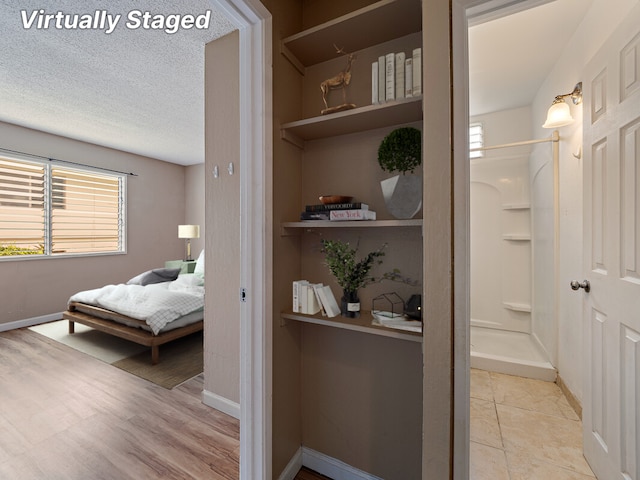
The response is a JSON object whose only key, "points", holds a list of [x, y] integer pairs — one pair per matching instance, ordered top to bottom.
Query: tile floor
{"points": [[523, 429]]}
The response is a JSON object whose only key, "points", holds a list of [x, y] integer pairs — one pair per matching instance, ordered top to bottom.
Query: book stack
{"points": [[396, 75], [338, 212], [311, 298]]}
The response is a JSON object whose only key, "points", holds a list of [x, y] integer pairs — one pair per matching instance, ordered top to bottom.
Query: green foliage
{"points": [[401, 150], [12, 250], [351, 274]]}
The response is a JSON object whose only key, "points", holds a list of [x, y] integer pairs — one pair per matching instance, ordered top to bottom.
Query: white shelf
{"points": [[371, 25], [353, 121], [286, 227], [517, 307], [362, 324]]}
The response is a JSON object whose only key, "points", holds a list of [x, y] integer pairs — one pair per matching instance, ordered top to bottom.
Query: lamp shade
{"points": [[558, 115], [188, 231]]}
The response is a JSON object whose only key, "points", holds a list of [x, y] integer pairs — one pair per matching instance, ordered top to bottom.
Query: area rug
{"points": [[180, 360]]}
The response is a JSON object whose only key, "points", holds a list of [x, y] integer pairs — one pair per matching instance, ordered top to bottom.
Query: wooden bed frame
{"points": [[133, 334]]}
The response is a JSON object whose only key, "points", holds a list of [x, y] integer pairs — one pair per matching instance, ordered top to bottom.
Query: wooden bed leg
{"points": [[71, 327], [155, 354]]}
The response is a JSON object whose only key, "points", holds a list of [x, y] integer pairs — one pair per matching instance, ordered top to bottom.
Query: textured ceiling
{"points": [[138, 90]]}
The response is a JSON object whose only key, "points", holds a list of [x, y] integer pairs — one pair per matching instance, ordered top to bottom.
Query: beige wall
{"points": [[194, 204], [155, 206], [222, 211]]}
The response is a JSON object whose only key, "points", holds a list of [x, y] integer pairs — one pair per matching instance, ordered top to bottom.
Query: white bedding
{"points": [[156, 304]]}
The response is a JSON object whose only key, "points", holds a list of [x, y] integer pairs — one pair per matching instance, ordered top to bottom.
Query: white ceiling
{"points": [[510, 57], [139, 90]]}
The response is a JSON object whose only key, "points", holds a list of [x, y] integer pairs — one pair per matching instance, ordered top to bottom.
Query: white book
{"points": [[400, 57], [382, 62], [417, 71], [390, 77], [408, 77], [374, 83], [359, 214], [297, 287], [316, 288], [303, 297], [329, 301], [312, 307]]}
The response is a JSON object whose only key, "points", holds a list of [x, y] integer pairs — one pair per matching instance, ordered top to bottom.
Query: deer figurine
{"points": [[341, 80]]}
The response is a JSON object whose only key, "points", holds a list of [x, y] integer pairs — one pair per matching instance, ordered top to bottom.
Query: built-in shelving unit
{"points": [[363, 324], [320, 346]]}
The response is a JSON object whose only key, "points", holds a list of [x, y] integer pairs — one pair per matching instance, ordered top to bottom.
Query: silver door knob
{"points": [[576, 285]]}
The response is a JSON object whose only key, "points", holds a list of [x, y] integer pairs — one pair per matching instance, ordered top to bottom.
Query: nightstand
{"points": [[184, 265]]}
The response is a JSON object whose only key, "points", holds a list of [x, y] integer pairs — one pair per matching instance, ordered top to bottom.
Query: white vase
{"points": [[402, 195]]}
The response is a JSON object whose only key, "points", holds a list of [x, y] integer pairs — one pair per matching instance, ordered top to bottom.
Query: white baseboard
{"points": [[30, 322], [220, 403], [324, 464], [293, 467]]}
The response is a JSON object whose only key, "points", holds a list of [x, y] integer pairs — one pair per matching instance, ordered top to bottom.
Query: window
{"points": [[476, 140], [49, 209]]}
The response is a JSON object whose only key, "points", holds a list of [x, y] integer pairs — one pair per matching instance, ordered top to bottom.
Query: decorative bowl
{"points": [[329, 199]]}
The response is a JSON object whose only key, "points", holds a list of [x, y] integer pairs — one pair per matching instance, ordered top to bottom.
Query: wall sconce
{"points": [[559, 113], [188, 232]]}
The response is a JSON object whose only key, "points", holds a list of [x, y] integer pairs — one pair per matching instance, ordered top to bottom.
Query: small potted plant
{"points": [[401, 151], [350, 273]]}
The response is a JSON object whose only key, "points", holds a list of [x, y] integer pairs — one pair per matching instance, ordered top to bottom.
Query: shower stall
{"points": [[514, 223]]}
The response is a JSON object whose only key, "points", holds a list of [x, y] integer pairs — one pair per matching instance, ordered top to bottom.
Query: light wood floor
{"points": [[65, 415]]}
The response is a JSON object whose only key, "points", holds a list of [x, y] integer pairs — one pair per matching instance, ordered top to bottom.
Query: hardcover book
{"points": [[400, 71], [417, 71], [390, 77], [408, 77], [381, 78], [374, 83], [336, 206], [314, 215], [344, 215], [328, 301]]}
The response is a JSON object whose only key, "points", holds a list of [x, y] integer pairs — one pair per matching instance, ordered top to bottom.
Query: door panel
{"points": [[611, 413]]}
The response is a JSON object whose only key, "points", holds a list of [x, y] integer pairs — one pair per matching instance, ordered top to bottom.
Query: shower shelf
{"points": [[516, 206], [516, 237], [517, 307]]}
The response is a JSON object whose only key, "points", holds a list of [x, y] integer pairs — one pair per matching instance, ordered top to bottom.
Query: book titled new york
{"points": [[336, 206], [314, 215], [345, 215]]}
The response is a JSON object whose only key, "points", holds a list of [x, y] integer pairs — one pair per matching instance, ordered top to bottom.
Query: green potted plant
{"points": [[401, 151], [350, 273]]}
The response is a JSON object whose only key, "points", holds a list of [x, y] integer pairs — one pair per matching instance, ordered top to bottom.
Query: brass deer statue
{"points": [[341, 80]]}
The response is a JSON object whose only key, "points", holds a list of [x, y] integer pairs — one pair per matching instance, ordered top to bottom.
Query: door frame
{"points": [[462, 13], [253, 21]]}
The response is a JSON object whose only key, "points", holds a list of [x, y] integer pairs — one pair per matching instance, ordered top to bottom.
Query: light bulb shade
{"points": [[558, 115], [188, 231]]}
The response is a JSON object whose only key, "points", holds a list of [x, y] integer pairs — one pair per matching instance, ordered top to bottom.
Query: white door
{"points": [[611, 403]]}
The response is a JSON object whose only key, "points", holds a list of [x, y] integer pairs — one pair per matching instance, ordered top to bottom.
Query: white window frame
{"points": [[48, 166]]}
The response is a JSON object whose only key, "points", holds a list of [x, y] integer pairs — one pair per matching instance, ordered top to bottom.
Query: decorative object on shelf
{"points": [[341, 80], [401, 151], [334, 199], [188, 232], [351, 274], [387, 305], [413, 309]]}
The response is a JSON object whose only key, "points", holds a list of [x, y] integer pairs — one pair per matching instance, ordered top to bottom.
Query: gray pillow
{"points": [[157, 275]]}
